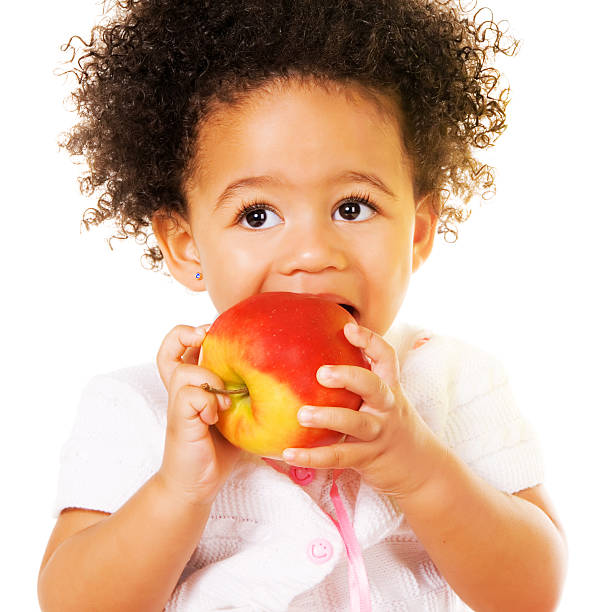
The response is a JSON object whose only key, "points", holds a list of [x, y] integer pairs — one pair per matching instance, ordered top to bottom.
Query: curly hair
{"points": [[156, 70]]}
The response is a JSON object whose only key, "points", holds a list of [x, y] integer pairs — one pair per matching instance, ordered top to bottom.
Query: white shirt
{"points": [[269, 544]]}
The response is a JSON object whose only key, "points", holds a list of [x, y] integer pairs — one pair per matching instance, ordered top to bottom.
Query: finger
{"points": [[173, 347], [191, 355], [383, 356], [195, 376], [368, 385], [193, 403], [209, 414], [361, 425], [334, 456]]}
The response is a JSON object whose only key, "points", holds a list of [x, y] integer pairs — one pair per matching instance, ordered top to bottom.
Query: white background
{"points": [[523, 280]]}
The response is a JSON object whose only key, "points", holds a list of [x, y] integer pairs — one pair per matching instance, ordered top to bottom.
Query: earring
{"points": [[197, 275]]}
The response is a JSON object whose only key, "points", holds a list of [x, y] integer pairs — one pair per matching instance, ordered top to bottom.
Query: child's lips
{"points": [[333, 297], [340, 300]]}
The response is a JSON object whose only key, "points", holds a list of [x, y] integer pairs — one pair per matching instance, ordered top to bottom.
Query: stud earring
{"points": [[197, 275]]}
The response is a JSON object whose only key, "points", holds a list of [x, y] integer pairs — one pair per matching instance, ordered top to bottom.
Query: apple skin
{"points": [[273, 343]]}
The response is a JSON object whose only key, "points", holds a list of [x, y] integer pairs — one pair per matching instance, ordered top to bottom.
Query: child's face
{"points": [[315, 238]]}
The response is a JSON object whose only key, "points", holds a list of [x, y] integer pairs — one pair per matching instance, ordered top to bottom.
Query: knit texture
{"points": [[253, 555]]}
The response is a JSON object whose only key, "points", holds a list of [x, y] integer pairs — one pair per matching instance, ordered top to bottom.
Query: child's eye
{"points": [[351, 208], [254, 213]]}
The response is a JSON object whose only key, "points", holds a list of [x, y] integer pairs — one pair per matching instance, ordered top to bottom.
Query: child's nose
{"points": [[312, 249]]}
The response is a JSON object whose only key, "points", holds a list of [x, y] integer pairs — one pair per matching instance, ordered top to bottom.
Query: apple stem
{"points": [[242, 390]]}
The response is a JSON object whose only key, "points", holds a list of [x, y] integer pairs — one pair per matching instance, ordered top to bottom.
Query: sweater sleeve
{"points": [[464, 395], [485, 427], [114, 447]]}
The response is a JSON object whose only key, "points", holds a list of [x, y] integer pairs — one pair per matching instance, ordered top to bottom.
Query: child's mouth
{"points": [[350, 309]]}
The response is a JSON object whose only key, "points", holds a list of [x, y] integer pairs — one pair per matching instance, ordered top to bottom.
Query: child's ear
{"points": [[425, 226], [175, 239]]}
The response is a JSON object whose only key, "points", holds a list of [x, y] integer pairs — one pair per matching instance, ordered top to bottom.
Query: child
{"points": [[305, 146]]}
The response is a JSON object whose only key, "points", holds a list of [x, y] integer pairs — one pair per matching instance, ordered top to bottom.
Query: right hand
{"points": [[197, 459]]}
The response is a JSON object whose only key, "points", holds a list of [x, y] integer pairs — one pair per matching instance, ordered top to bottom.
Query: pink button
{"points": [[302, 475], [320, 550]]}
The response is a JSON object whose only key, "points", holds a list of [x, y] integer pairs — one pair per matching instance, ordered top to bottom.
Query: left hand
{"points": [[387, 441]]}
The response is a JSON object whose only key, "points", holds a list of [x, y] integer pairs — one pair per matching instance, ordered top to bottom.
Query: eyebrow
{"points": [[263, 181]]}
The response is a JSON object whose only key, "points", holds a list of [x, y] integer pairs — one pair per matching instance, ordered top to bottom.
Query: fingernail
{"points": [[352, 327], [200, 330], [324, 373], [225, 402], [304, 414]]}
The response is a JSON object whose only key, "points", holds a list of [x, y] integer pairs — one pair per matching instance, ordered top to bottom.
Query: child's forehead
{"points": [[375, 105], [345, 119]]}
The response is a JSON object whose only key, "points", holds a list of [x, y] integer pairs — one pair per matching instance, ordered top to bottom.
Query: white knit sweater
{"points": [[258, 550]]}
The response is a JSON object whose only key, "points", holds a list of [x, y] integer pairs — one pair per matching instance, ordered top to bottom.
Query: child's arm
{"points": [[497, 551], [132, 559], [129, 560]]}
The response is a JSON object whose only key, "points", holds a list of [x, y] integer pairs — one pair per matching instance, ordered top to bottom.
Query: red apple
{"points": [[273, 344]]}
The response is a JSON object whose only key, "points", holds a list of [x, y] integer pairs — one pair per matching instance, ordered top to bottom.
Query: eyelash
{"points": [[257, 204]]}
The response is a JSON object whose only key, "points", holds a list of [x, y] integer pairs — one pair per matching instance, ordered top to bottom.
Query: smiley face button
{"points": [[302, 475], [319, 550]]}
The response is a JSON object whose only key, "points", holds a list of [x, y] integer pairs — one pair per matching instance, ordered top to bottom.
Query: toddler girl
{"points": [[311, 147]]}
